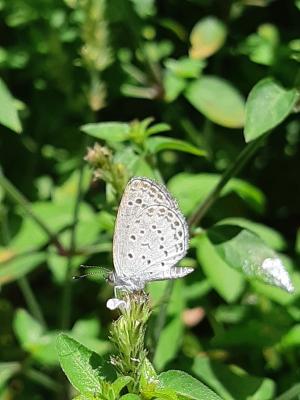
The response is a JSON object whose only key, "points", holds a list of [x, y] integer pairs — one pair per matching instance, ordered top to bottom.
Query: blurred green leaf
{"points": [[207, 37], [185, 67], [173, 86], [267, 98], [218, 100], [8, 111], [108, 131], [159, 143], [191, 189], [269, 235], [246, 252], [20, 266], [232, 284], [26, 328], [292, 338], [81, 365], [7, 370], [232, 383], [186, 386], [130, 396]]}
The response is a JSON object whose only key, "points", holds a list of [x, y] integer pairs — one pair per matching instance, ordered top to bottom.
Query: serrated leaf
{"points": [[207, 37], [218, 100], [268, 104], [8, 112], [108, 131], [159, 143], [191, 189], [246, 252], [232, 284], [81, 365], [187, 386]]}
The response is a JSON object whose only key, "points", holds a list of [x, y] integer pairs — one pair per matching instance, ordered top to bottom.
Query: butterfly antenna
{"points": [[98, 270]]}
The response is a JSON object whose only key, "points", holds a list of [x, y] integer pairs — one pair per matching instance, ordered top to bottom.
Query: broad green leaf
{"points": [[207, 37], [185, 67], [218, 100], [268, 104], [8, 112], [108, 131], [159, 143], [142, 168], [191, 189], [269, 235], [246, 252], [20, 266], [232, 284], [87, 327], [26, 328], [81, 365], [7, 370], [232, 383], [186, 386], [130, 396]]}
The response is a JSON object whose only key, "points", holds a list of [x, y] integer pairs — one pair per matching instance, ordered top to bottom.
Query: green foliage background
{"points": [[185, 92]]}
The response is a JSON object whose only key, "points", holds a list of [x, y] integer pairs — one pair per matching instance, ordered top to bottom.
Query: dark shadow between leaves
{"points": [[223, 233]]}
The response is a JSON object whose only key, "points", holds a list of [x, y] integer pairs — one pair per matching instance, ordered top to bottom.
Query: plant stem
{"points": [[231, 171], [20, 199], [201, 211], [67, 291], [31, 301], [43, 380]]}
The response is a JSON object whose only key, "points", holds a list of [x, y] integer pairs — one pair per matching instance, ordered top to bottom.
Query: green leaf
{"points": [[207, 37], [185, 67], [173, 86], [218, 100], [268, 104], [8, 112], [157, 128], [108, 131], [159, 143], [191, 189], [269, 235], [246, 252], [20, 266], [232, 284], [26, 328], [292, 338], [81, 365], [7, 370], [120, 383], [232, 383], [186, 386], [130, 396]]}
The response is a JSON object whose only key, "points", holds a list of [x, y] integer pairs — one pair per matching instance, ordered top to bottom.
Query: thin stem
{"points": [[231, 171], [20, 199], [201, 211], [67, 292], [31, 301], [43, 380]]}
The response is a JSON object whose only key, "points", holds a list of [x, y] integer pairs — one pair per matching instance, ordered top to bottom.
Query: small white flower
{"points": [[114, 303]]}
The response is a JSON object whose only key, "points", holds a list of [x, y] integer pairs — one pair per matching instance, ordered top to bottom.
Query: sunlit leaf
{"points": [[207, 37], [185, 67], [218, 100], [268, 104], [8, 112], [108, 131], [191, 189], [246, 252], [232, 284], [81, 365], [186, 386]]}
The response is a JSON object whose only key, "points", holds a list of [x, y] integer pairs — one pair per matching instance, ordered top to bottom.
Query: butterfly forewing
{"points": [[151, 234]]}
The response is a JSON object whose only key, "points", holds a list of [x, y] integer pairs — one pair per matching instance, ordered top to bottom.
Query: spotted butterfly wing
{"points": [[151, 234]]}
